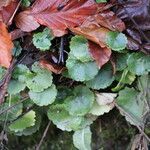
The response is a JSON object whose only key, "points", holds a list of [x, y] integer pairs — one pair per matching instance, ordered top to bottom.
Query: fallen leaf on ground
{"points": [[4, 3], [8, 11], [57, 14], [136, 16], [106, 19], [96, 28], [17, 33], [94, 34], [6, 46], [98, 49], [99, 54], [51, 67], [105, 98], [103, 104]]}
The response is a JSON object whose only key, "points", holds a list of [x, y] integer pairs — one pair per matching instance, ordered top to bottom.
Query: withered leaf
{"points": [[4, 3], [8, 11], [57, 15], [136, 15], [109, 20], [96, 28], [94, 34], [6, 46], [99, 54], [51, 67]]}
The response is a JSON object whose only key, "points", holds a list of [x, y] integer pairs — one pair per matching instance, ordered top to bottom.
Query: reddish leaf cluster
{"points": [[57, 15], [84, 17]]}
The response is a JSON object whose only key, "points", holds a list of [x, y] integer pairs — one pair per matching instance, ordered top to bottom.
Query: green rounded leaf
{"points": [[26, 3], [42, 40], [116, 41], [79, 48], [121, 61], [139, 63], [80, 71], [22, 73], [103, 79], [40, 81], [15, 87], [45, 97], [81, 102], [131, 102], [134, 103], [99, 110], [14, 112], [62, 119], [25, 121], [87, 121], [32, 129], [82, 139]]}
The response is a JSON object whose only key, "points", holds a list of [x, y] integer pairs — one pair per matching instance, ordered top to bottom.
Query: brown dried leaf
{"points": [[4, 3], [8, 11], [58, 15], [136, 15], [109, 20], [26, 22], [95, 28], [17, 33], [94, 34], [6, 46], [99, 54], [51, 67]]}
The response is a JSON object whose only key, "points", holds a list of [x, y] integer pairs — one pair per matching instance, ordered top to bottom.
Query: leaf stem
{"points": [[11, 18], [61, 51], [9, 108], [44, 135]]}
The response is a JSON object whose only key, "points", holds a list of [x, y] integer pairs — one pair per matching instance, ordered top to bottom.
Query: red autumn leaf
{"points": [[4, 3], [8, 11], [58, 15], [109, 20], [26, 22], [95, 28], [17, 33], [94, 34], [6, 46], [99, 51], [99, 54], [51, 67]]}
